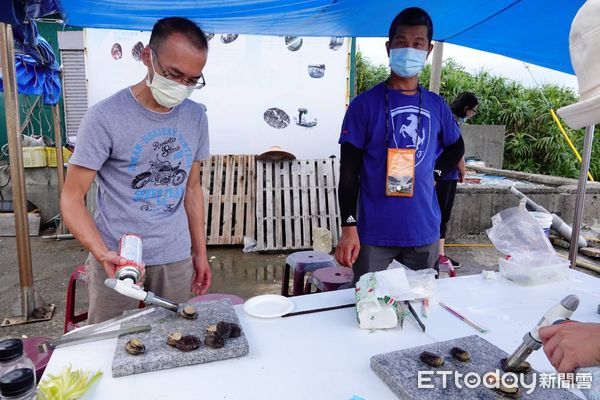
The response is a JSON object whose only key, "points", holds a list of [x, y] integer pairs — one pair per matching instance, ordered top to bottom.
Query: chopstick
{"points": [[316, 310], [463, 318]]}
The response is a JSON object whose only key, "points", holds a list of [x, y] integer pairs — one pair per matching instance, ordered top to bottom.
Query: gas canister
{"points": [[130, 248]]}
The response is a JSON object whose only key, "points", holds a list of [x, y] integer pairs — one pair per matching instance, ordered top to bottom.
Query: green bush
{"points": [[368, 74], [533, 141]]}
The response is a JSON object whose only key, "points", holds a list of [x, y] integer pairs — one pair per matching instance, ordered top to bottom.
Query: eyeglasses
{"points": [[195, 83]]}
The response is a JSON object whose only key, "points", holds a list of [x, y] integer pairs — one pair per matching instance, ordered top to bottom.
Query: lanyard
{"points": [[388, 114]]}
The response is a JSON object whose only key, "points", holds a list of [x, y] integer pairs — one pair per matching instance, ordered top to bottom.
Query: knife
{"points": [[414, 314], [95, 328], [69, 341]]}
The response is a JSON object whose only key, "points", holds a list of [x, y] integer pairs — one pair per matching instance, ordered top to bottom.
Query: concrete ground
{"points": [[243, 274]]}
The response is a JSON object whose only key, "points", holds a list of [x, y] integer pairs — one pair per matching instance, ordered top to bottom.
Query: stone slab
{"points": [[160, 356], [399, 370]]}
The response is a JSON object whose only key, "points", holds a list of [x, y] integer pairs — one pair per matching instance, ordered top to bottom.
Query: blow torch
{"points": [[531, 340]]}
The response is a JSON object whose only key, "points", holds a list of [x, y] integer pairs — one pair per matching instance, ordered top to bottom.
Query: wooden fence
{"points": [[229, 186], [293, 198], [277, 203]]}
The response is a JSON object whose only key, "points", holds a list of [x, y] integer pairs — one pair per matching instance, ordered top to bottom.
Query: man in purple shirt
{"points": [[391, 136]]}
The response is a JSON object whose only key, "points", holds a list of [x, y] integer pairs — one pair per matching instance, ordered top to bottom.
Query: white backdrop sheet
{"points": [[244, 78]]}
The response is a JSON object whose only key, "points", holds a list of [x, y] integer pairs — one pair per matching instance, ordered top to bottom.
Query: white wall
{"points": [[244, 79]]}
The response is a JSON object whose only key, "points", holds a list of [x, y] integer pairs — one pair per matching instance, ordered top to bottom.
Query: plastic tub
{"points": [[543, 219], [529, 275]]}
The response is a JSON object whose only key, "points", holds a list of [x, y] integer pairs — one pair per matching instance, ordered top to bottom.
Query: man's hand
{"points": [[462, 170], [462, 173], [348, 247], [111, 261], [202, 275], [571, 345]]}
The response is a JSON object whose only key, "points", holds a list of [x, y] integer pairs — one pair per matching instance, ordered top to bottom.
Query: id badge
{"points": [[400, 178]]}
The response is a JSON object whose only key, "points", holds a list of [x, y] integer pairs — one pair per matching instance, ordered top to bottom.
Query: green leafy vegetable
{"points": [[68, 385]]}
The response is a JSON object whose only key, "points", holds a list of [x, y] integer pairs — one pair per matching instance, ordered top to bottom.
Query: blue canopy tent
{"points": [[534, 31]]}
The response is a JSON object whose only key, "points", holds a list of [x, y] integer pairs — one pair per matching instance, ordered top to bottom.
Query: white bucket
{"points": [[543, 219]]}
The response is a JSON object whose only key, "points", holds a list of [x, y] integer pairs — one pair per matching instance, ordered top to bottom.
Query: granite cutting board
{"points": [[159, 355], [398, 370]]}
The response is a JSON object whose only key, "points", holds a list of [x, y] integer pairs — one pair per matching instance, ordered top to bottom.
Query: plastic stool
{"points": [[302, 262], [329, 279], [219, 296], [71, 320], [40, 360]]}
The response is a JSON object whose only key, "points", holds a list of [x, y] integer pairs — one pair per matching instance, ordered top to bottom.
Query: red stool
{"points": [[447, 268], [329, 279], [219, 296], [72, 321], [40, 360]]}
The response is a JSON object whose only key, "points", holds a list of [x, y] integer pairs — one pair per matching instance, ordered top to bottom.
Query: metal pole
{"points": [[435, 79], [353, 83], [16, 169], [60, 169], [580, 201]]}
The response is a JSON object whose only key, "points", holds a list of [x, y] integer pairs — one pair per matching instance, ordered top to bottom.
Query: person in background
{"points": [[389, 141], [143, 146], [450, 173]]}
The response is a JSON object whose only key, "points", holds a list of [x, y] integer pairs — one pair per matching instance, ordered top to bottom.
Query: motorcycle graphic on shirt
{"points": [[159, 164], [160, 173]]}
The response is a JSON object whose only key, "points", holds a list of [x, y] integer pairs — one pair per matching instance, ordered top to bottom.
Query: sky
{"points": [[475, 60]]}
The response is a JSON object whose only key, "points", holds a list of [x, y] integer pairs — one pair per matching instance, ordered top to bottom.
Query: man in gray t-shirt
{"points": [[143, 146]]}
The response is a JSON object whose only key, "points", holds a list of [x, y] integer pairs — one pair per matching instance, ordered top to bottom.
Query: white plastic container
{"points": [[543, 219], [530, 275]]}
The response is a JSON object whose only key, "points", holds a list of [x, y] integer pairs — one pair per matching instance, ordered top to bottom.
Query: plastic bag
{"points": [[516, 233], [322, 240], [250, 245], [532, 259], [421, 283]]}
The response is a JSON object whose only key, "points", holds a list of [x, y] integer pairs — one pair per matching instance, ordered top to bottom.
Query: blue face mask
{"points": [[407, 62]]}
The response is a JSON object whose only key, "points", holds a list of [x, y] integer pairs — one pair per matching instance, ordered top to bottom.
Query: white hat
{"points": [[584, 46]]}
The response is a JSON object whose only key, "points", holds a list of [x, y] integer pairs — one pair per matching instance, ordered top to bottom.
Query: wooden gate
{"points": [[293, 198]]}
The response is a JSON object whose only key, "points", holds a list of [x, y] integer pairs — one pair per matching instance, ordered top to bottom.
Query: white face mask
{"points": [[166, 92]]}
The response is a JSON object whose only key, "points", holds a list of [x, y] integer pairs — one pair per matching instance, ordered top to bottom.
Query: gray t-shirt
{"points": [[143, 159]]}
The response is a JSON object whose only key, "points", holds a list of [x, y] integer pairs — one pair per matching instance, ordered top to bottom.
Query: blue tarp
{"points": [[535, 31], [36, 66], [35, 79]]}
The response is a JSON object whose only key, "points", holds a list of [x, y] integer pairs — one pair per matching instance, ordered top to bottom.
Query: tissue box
{"points": [[371, 311], [376, 315]]}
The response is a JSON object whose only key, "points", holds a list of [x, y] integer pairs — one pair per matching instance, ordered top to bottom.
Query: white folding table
{"points": [[326, 356]]}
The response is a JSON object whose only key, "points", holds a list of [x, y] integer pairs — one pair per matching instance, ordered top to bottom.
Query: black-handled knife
{"points": [[414, 314]]}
